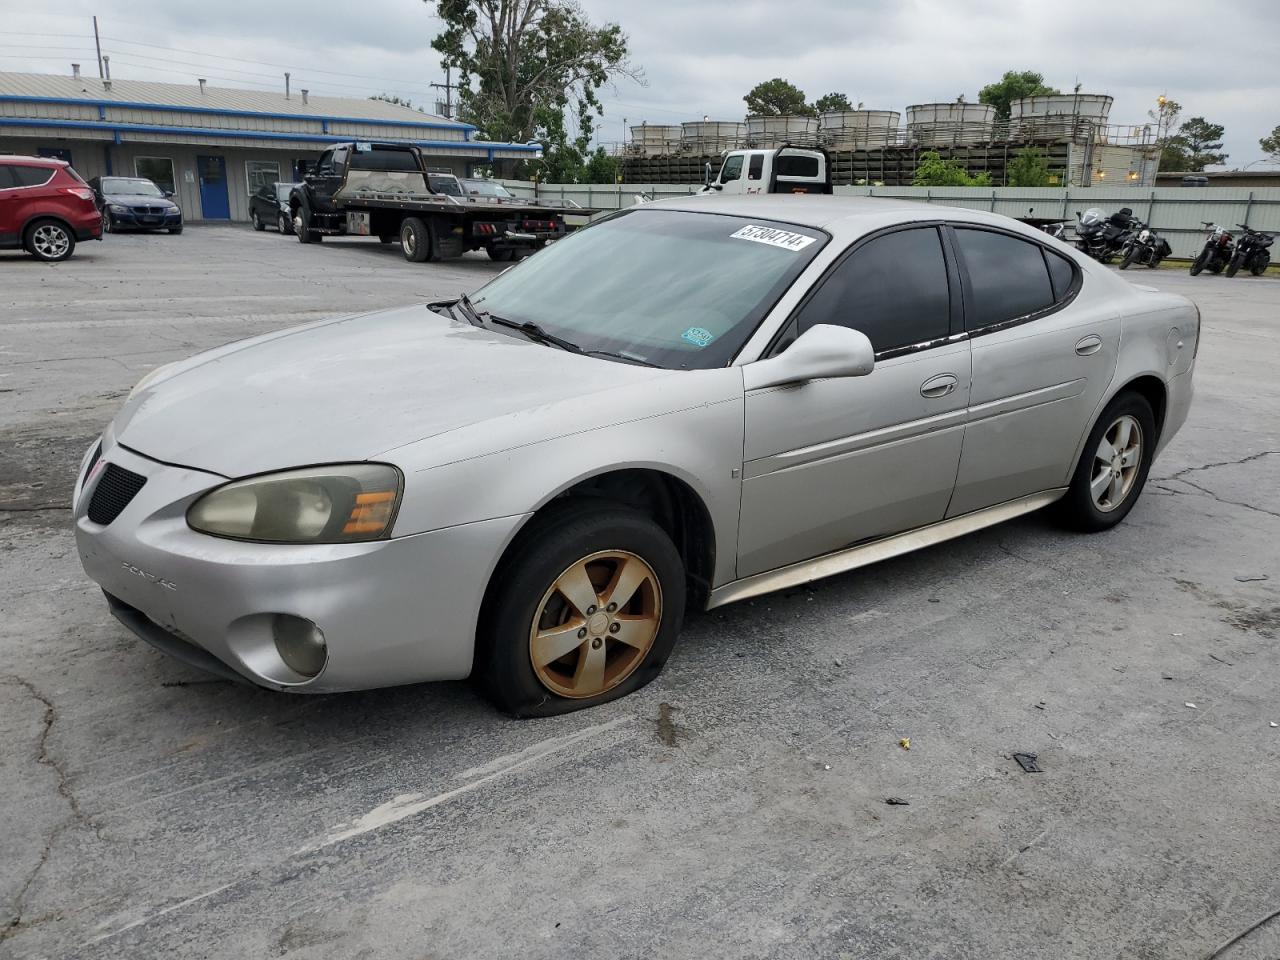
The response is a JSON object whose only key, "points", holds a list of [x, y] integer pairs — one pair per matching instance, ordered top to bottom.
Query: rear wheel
{"points": [[256, 220], [386, 237], [415, 240], [50, 241], [500, 255], [1199, 263], [1216, 264], [1258, 265], [1113, 467], [585, 610]]}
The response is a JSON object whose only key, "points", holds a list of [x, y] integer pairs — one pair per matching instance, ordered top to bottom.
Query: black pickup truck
{"points": [[388, 191]]}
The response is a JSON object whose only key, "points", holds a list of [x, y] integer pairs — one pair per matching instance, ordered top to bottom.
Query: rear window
{"points": [[383, 160], [797, 165], [28, 176]]}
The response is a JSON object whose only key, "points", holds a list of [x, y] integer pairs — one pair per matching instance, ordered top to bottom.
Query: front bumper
{"points": [[145, 221], [392, 611]]}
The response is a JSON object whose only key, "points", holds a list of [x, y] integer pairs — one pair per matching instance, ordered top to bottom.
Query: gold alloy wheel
{"points": [[1115, 463], [595, 624]]}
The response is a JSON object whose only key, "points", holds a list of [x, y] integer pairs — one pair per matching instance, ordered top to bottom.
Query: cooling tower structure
{"points": [[1065, 115], [949, 124], [858, 129], [775, 131], [705, 138], [654, 140]]}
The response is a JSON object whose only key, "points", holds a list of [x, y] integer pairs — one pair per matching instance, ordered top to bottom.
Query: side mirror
{"points": [[706, 174], [168, 194], [823, 351]]}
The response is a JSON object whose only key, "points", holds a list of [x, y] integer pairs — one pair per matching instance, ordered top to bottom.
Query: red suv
{"points": [[45, 207]]}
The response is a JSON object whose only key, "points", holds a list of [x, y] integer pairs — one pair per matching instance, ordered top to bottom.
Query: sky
{"points": [[699, 59]]}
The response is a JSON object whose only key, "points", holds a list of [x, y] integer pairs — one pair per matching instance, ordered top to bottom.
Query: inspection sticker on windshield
{"points": [[773, 237], [698, 336]]}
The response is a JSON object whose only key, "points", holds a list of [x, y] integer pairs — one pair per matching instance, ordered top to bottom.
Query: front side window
{"points": [[732, 169], [159, 170], [1008, 278], [893, 288], [675, 289]]}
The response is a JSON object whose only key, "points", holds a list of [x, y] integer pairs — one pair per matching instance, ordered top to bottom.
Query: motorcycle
{"points": [[1100, 236], [1144, 246], [1219, 247], [1251, 251]]}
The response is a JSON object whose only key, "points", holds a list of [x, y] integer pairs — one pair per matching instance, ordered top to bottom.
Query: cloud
{"points": [[701, 58]]}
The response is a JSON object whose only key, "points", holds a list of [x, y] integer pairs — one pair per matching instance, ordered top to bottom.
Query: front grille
{"points": [[114, 491]]}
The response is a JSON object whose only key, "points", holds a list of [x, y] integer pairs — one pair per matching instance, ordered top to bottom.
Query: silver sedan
{"points": [[689, 402]]}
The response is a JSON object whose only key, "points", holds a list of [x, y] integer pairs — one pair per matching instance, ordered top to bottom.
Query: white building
{"points": [[213, 146]]}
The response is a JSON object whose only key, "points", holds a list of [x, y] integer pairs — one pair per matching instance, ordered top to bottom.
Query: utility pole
{"points": [[97, 42], [448, 89]]}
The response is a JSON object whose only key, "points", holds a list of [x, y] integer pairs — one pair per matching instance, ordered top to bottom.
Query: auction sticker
{"points": [[773, 237], [698, 336]]}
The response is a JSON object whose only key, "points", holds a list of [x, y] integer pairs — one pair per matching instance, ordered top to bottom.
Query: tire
{"points": [[257, 221], [106, 222], [283, 224], [302, 227], [174, 231], [386, 237], [415, 240], [50, 241], [1130, 255], [500, 256], [1154, 262], [1197, 265], [1216, 265], [1258, 265], [1234, 266], [1102, 490], [596, 539]]}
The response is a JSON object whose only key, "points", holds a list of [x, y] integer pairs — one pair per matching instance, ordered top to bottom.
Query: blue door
{"points": [[214, 203]]}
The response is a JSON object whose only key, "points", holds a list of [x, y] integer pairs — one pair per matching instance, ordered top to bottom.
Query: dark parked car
{"points": [[134, 203], [269, 206], [45, 207]]}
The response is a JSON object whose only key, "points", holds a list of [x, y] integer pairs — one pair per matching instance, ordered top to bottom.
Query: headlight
{"points": [[116, 208], [148, 379], [341, 503]]}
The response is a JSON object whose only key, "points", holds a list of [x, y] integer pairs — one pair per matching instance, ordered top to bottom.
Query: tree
{"points": [[524, 63], [1012, 86], [777, 98], [831, 101], [1202, 142], [1271, 145], [1173, 155], [601, 167], [1029, 168], [933, 171]]}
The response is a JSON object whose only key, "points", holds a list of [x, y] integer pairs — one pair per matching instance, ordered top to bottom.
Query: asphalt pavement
{"points": [[738, 807]]}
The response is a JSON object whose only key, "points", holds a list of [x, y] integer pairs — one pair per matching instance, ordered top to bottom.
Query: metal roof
{"points": [[93, 90]]}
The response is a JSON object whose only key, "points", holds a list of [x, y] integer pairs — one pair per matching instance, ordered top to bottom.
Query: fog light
{"points": [[300, 644]]}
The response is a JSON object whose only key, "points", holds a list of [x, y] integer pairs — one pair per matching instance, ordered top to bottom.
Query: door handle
{"points": [[1089, 345], [938, 386]]}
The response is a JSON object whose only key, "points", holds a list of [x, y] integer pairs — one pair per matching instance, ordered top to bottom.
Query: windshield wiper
{"points": [[535, 333], [624, 357]]}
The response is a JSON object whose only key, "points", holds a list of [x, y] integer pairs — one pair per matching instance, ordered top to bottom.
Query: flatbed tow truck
{"points": [[388, 191]]}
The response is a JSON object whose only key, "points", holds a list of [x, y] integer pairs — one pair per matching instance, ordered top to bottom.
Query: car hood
{"points": [[143, 199], [350, 389]]}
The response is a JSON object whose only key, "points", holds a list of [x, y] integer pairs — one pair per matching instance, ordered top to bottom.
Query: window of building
{"points": [[54, 153], [159, 170], [261, 173], [1007, 277], [893, 288]]}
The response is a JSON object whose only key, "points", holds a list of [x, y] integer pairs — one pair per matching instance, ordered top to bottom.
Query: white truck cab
{"points": [[787, 169]]}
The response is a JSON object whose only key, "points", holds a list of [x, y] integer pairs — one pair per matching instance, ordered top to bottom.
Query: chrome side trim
{"points": [[1032, 398], [831, 449], [867, 553]]}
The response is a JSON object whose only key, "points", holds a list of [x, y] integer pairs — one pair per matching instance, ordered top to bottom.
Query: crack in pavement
{"points": [[1224, 463], [1223, 500], [15, 923]]}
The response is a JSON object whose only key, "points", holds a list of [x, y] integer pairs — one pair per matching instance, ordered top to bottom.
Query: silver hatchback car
{"points": [[688, 402]]}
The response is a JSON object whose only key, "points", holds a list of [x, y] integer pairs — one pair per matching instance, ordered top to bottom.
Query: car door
{"points": [[10, 222], [1042, 358], [830, 463]]}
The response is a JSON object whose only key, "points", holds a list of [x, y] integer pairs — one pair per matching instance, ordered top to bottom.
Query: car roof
{"points": [[37, 161], [840, 216]]}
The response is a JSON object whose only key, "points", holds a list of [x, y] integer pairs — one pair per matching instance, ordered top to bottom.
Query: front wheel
{"points": [[257, 221], [106, 222], [283, 224], [302, 227], [174, 231], [50, 241], [1130, 255], [1199, 263], [1258, 265], [1234, 266], [1113, 467], [586, 609]]}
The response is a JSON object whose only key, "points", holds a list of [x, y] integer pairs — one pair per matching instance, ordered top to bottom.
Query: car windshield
{"points": [[134, 188], [486, 188], [675, 289]]}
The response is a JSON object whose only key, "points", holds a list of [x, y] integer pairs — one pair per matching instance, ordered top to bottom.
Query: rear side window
{"points": [[755, 170], [31, 176], [6, 177], [1061, 272], [1008, 278], [893, 288]]}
